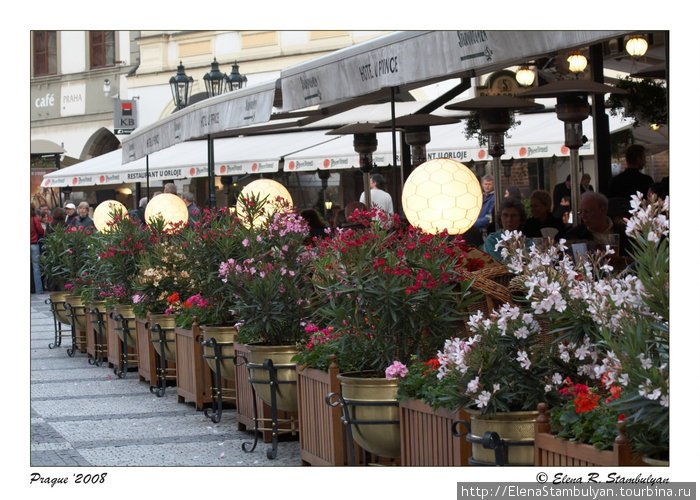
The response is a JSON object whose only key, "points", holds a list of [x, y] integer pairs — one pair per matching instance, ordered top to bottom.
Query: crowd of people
{"points": [[549, 215]]}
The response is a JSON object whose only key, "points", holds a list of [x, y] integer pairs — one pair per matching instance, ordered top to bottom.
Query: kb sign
{"points": [[124, 116]]}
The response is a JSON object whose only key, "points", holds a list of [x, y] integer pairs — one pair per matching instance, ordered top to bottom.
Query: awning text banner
{"points": [[409, 57], [233, 109]]}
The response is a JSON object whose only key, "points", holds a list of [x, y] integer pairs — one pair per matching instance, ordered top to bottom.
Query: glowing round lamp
{"points": [[637, 46], [577, 62], [525, 76], [262, 188], [442, 194], [169, 207], [104, 214]]}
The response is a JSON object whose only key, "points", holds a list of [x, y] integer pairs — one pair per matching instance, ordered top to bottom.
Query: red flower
{"points": [[173, 298], [585, 402], [621, 418]]}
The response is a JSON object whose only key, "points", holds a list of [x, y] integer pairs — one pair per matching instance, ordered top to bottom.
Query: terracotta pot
{"points": [[224, 336], [281, 357], [361, 387]]}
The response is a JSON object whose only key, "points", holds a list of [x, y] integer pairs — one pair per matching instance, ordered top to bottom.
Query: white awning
{"points": [[415, 57], [234, 109], [539, 135], [339, 154], [232, 156]]}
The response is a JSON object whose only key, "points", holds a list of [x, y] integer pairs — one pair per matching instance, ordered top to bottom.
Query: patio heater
{"points": [[572, 108], [494, 118], [416, 130], [365, 143], [324, 175]]}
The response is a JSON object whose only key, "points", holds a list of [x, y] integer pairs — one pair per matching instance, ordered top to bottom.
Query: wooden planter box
{"points": [[92, 337], [113, 344], [147, 356], [190, 385], [244, 400], [321, 433], [426, 436], [551, 451]]}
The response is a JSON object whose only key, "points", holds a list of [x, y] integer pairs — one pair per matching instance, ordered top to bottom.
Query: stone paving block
{"points": [[99, 387], [227, 453]]}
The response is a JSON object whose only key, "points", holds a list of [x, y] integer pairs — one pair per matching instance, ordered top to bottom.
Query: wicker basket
{"points": [[492, 282]]}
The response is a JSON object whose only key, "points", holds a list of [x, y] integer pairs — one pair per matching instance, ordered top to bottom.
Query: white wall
{"points": [[73, 52]]}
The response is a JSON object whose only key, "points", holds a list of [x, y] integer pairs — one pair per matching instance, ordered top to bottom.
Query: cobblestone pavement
{"points": [[85, 416]]}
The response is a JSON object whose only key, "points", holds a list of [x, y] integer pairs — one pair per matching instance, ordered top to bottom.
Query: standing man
{"points": [[631, 180], [170, 187], [380, 198], [192, 210]]}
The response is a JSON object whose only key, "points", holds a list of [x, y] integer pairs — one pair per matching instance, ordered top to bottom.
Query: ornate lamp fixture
{"points": [[636, 46], [577, 62], [525, 76], [215, 80], [235, 80], [181, 86], [572, 108], [494, 118]]}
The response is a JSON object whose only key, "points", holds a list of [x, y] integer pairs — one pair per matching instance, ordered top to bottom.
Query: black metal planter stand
{"points": [[73, 312], [57, 325], [100, 338], [123, 367], [269, 367], [163, 373], [218, 392], [334, 399], [490, 441]]}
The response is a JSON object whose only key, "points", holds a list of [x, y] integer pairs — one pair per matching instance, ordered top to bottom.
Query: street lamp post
{"points": [[235, 80], [181, 86]]}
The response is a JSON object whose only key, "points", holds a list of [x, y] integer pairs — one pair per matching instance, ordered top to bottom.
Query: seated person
{"points": [[540, 206], [512, 216], [595, 224]]}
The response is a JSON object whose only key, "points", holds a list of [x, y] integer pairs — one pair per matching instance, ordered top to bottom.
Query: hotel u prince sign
{"points": [[124, 117]]}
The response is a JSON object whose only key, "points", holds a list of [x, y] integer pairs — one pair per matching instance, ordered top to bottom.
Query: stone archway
{"points": [[101, 142]]}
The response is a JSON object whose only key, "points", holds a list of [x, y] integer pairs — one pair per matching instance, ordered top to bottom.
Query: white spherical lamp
{"points": [[275, 194], [442, 194], [169, 207], [105, 212]]}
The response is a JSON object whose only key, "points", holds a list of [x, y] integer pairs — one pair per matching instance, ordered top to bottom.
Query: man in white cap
{"points": [[70, 212]]}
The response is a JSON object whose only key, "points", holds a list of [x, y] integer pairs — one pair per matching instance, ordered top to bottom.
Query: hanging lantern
{"points": [[637, 46], [577, 61], [525, 76], [275, 194], [442, 194], [169, 207], [105, 212]]}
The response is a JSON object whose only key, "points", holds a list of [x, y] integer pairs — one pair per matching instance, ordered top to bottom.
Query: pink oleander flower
{"points": [[397, 369]]}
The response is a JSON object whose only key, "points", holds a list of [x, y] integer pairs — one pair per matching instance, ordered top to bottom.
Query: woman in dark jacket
{"points": [[541, 209]]}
